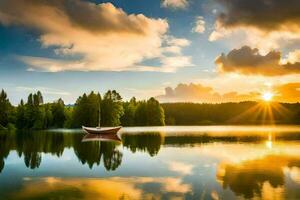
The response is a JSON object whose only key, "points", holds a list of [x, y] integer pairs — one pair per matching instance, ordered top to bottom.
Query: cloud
{"points": [[175, 4], [271, 15], [261, 24], [199, 25], [99, 37], [182, 42], [174, 45], [292, 57], [249, 61], [171, 64], [51, 65], [44, 90], [289, 92], [203, 94], [181, 167], [267, 169], [128, 188]]}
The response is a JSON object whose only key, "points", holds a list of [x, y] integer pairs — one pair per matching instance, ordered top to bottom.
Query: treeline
{"points": [[88, 109], [231, 113], [35, 114]]}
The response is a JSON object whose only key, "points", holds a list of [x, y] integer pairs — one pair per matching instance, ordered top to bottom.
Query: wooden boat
{"points": [[100, 130], [101, 137]]}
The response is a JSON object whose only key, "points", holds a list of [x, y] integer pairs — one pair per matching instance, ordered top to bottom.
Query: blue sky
{"points": [[136, 55]]}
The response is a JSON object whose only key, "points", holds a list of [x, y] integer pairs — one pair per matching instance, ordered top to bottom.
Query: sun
{"points": [[267, 96]]}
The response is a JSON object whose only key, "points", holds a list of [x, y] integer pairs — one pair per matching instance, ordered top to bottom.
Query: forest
{"points": [[244, 113], [34, 114]]}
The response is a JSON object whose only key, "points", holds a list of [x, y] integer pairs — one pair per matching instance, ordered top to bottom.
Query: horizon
{"points": [[190, 50], [162, 102]]}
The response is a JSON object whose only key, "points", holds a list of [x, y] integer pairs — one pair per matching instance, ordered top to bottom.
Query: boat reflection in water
{"points": [[101, 137]]}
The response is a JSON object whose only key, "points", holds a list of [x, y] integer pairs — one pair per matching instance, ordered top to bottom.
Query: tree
{"points": [[5, 108], [111, 109], [86, 110], [35, 112], [58, 113], [155, 113], [141, 116], [69, 117], [128, 119], [21, 120], [48, 120]]}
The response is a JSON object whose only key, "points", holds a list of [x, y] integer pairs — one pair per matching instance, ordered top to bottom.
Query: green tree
{"points": [[5, 108], [111, 109], [86, 110], [35, 112], [58, 113], [155, 113], [141, 116], [69, 117], [128, 118], [21, 120], [48, 120]]}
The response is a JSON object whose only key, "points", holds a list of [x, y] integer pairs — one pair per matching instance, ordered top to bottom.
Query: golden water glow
{"points": [[267, 96], [99, 188]]}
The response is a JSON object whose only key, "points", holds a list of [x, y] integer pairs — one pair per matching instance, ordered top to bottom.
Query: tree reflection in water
{"points": [[145, 142], [31, 145], [92, 152], [250, 175], [248, 178]]}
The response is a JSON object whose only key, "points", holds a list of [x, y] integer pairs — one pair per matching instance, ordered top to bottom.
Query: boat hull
{"points": [[110, 130]]}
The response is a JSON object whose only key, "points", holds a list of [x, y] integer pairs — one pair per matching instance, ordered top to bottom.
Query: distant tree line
{"points": [[88, 109], [112, 111], [231, 113]]}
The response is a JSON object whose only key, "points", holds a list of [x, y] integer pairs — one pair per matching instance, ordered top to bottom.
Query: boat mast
{"points": [[99, 114]]}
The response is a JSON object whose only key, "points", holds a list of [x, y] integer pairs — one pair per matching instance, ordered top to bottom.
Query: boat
{"points": [[101, 130], [101, 137]]}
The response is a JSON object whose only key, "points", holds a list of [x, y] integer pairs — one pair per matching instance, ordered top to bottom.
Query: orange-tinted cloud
{"points": [[98, 36], [249, 61], [289, 92], [203, 94], [256, 173], [97, 188]]}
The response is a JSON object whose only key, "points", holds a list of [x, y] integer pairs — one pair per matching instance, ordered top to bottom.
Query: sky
{"points": [[175, 50]]}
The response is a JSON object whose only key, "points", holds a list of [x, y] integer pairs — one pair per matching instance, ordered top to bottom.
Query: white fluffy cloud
{"points": [[175, 4], [199, 25], [100, 37]]}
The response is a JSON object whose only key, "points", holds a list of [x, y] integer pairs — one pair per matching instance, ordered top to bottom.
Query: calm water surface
{"points": [[212, 162]]}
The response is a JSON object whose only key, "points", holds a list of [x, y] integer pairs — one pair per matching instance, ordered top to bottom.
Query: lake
{"points": [[196, 162]]}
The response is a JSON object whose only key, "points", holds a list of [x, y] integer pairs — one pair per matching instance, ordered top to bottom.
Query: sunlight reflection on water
{"points": [[206, 162]]}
